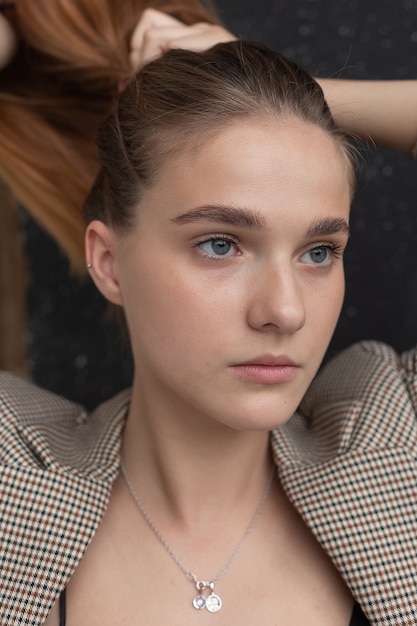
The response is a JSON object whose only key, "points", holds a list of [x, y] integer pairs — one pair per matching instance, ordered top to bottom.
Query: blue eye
{"points": [[217, 247], [318, 256]]}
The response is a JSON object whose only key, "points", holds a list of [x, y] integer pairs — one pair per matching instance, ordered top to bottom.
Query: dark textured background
{"points": [[75, 352]]}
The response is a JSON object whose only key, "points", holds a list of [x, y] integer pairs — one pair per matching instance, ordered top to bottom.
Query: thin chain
{"points": [[190, 575]]}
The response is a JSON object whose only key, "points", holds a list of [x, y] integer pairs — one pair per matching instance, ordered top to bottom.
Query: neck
{"points": [[192, 468]]}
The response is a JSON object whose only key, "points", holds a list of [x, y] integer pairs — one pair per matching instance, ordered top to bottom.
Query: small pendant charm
{"points": [[199, 602], [213, 603]]}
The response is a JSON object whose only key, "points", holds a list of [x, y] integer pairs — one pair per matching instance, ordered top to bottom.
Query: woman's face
{"points": [[232, 279]]}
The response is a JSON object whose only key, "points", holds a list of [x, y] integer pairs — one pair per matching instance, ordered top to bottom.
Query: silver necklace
{"points": [[212, 602]]}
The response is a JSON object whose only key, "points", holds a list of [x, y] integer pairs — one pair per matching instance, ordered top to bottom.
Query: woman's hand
{"points": [[158, 32], [8, 42]]}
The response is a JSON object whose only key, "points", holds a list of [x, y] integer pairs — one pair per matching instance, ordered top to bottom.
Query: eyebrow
{"points": [[222, 214], [248, 218], [328, 226]]}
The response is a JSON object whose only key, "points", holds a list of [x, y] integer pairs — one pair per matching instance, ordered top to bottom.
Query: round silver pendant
{"points": [[199, 602], [213, 603]]}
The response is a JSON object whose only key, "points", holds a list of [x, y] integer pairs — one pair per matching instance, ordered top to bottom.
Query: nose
{"points": [[276, 300]]}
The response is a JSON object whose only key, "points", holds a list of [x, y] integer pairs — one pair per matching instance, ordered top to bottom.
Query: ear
{"points": [[101, 248]]}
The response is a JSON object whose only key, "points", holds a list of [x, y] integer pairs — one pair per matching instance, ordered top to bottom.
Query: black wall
{"points": [[75, 352]]}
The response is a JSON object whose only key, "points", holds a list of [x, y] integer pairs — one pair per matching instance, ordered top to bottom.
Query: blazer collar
{"points": [[348, 462], [55, 483]]}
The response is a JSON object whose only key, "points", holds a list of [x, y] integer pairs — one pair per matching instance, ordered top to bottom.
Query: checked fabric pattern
{"points": [[347, 460], [349, 465]]}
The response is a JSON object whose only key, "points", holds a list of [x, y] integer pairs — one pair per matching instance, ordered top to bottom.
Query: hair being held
{"points": [[62, 82]]}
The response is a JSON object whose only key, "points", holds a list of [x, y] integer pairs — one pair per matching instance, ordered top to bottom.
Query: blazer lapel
{"points": [[348, 464], [57, 469], [47, 521]]}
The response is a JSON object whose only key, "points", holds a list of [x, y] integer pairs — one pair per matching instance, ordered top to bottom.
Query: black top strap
{"points": [[63, 608], [358, 617]]}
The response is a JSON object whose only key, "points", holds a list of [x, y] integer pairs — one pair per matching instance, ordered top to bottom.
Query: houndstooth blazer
{"points": [[347, 460]]}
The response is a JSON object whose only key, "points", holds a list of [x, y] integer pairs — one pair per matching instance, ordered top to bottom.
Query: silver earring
{"points": [[89, 266]]}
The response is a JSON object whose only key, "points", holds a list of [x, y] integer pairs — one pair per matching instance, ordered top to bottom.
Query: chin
{"points": [[263, 415]]}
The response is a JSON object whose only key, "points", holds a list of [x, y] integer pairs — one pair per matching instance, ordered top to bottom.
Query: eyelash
{"points": [[215, 237], [335, 250], [333, 253]]}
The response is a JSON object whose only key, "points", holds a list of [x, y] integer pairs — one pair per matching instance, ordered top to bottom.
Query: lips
{"points": [[269, 359], [267, 369]]}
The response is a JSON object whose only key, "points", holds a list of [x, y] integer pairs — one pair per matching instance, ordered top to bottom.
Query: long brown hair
{"points": [[55, 93], [180, 100]]}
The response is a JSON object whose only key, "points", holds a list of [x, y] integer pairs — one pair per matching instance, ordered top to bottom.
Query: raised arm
{"points": [[384, 111]]}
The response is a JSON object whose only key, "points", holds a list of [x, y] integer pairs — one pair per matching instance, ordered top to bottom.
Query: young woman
{"points": [[71, 59], [218, 223]]}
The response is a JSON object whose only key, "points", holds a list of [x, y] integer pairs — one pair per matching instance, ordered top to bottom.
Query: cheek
{"points": [[327, 301], [169, 313]]}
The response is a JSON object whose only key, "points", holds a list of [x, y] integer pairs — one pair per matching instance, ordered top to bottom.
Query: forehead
{"points": [[268, 165]]}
